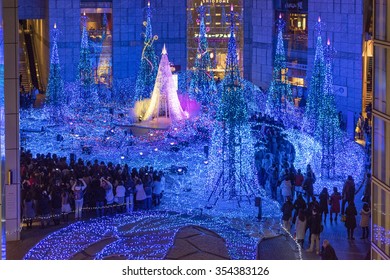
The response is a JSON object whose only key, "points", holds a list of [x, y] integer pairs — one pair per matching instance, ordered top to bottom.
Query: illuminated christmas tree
{"points": [[149, 62], [85, 68], [317, 84], [202, 86], [55, 87], [280, 90], [165, 101], [328, 127], [231, 168]]}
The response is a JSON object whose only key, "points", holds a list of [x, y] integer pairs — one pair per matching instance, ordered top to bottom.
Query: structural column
{"points": [[11, 110]]}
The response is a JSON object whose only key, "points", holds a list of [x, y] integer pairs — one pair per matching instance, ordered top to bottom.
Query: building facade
{"points": [[343, 25], [116, 26], [380, 239]]}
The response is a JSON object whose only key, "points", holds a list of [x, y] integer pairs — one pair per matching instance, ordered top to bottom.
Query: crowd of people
{"points": [[27, 98], [52, 188], [304, 213], [306, 217]]}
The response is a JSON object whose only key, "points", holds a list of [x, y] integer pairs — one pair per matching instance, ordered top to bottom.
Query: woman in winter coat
{"points": [[285, 188], [324, 202], [334, 204], [28, 210], [365, 220], [350, 221], [300, 227]]}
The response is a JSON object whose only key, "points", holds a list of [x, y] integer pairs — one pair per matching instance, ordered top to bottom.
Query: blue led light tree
{"points": [[223, 16], [149, 62], [85, 67], [317, 82], [202, 86], [55, 87], [280, 90], [327, 130], [231, 168]]}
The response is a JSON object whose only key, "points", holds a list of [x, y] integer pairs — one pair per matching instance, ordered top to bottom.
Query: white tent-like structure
{"points": [[164, 102]]}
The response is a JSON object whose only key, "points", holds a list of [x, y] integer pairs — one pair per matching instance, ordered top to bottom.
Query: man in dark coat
{"points": [[308, 186], [348, 193], [350, 222], [315, 230], [328, 252]]}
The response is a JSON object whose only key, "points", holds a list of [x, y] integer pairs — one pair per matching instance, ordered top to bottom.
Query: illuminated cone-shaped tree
{"points": [[149, 62], [85, 68], [317, 82], [202, 86], [55, 87], [280, 90], [164, 101], [327, 130], [231, 168]]}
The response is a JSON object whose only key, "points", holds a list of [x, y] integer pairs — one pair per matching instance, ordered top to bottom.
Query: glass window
{"points": [[382, 14], [217, 20], [99, 28], [296, 31], [295, 35], [382, 77], [381, 150], [380, 219]]}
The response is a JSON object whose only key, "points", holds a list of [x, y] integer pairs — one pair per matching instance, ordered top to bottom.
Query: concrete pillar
{"points": [[11, 100]]}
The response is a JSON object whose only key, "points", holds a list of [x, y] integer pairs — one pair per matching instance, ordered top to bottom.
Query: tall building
{"points": [[217, 20], [343, 25], [115, 30], [380, 239]]}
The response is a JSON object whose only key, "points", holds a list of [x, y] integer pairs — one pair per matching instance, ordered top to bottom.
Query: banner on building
{"points": [[292, 5]]}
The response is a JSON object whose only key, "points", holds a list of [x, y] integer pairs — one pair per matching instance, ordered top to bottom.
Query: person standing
{"points": [[34, 95], [274, 177], [298, 181], [308, 186], [108, 187], [286, 188], [367, 190], [157, 191], [78, 192], [120, 192], [348, 193], [100, 196], [140, 196], [56, 203], [324, 203], [299, 204], [334, 204], [65, 205], [44, 209], [28, 210], [287, 210], [365, 220], [350, 222], [300, 227], [315, 230]]}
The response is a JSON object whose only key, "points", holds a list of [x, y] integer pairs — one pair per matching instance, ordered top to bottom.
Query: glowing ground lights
{"points": [[141, 235]]}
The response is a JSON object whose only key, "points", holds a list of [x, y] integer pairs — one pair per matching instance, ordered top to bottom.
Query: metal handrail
{"points": [[26, 61], [37, 67]]}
